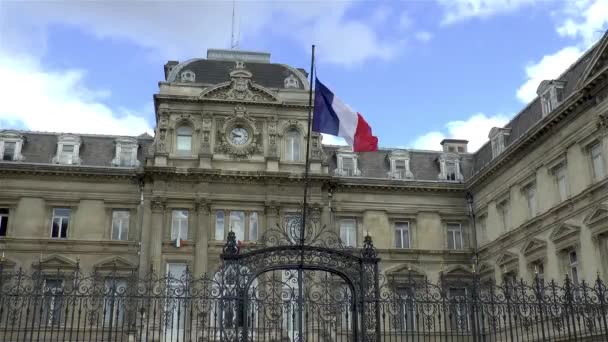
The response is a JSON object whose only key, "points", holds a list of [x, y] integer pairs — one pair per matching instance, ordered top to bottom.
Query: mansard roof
{"points": [[209, 72], [532, 114], [95, 150], [424, 164]]}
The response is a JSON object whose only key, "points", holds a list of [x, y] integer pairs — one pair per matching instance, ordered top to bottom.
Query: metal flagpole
{"points": [[305, 204]]}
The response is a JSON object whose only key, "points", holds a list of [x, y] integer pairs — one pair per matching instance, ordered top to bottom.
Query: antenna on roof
{"points": [[234, 43]]}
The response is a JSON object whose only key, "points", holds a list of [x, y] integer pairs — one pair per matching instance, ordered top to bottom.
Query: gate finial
{"points": [[231, 246], [368, 251]]}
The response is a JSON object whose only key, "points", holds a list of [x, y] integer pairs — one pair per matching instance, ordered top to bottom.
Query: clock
{"points": [[239, 136]]}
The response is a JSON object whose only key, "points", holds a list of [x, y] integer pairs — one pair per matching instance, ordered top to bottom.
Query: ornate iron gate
{"points": [[300, 286]]}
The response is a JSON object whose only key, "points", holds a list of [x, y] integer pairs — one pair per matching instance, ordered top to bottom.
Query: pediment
{"points": [[598, 62], [240, 89], [10, 134], [597, 215], [564, 231], [533, 246], [506, 258], [57, 262], [115, 263], [485, 268], [404, 271], [457, 271]]}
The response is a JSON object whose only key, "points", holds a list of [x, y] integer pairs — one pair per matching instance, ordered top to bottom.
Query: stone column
{"points": [[156, 233], [201, 248]]}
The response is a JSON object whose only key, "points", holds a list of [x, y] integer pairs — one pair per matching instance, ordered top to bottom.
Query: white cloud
{"points": [[461, 10], [585, 19], [405, 22], [187, 29], [423, 36], [549, 67], [60, 101], [475, 129], [332, 140]]}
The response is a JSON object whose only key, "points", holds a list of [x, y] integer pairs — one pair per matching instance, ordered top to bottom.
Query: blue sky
{"points": [[419, 71]]}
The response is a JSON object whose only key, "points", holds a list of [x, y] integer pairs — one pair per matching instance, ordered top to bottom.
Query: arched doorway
{"points": [[285, 289]]}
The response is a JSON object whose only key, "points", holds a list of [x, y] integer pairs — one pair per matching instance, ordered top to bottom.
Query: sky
{"points": [[418, 71]]}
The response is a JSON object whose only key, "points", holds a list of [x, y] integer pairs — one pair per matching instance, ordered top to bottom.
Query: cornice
{"points": [[196, 99], [65, 170]]}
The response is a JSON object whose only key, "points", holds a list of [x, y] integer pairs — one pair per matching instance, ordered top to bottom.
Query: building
{"points": [[228, 154]]}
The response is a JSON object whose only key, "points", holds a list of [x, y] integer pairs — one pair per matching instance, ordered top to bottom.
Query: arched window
{"points": [[184, 139], [292, 145]]}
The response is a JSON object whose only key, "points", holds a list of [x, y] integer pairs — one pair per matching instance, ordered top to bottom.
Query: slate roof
{"points": [[269, 75], [532, 113], [95, 150], [423, 164]]}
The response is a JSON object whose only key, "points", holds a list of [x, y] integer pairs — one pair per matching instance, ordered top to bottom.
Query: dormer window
{"points": [[187, 76], [291, 82], [551, 93], [497, 138], [10, 145], [68, 150], [126, 153], [347, 164], [399, 165], [449, 167]]}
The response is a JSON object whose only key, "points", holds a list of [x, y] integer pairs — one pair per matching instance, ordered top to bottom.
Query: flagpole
{"points": [[307, 167], [305, 205]]}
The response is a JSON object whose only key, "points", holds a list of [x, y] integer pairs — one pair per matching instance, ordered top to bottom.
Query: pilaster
{"points": [[158, 206], [201, 249]]}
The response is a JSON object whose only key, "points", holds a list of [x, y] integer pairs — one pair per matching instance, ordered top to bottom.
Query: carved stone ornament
{"points": [[240, 88], [240, 118], [602, 121], [157, 204], [203, 206]]}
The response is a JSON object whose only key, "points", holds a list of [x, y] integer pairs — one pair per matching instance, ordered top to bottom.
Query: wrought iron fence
{"points": [[113, 306]]}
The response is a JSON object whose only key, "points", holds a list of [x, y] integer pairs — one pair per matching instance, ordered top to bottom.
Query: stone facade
{"points": [[228, 154]]}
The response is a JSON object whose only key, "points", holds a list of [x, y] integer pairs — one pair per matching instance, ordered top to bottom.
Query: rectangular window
{"points": [[546, 101], [9, 150], [67, 154], [126, 156], [597, 161], [348, 166], [400, 169], [451, 171], [561, 177], [531, 198], [3, 221], [60, 223], [120, 224], [179, 224], [237, 224], [219, 225], [253, 226], [348, 232], [402, 235], [454, 236], [573, 262], [539, 271], [510, 279], [52, 301], [115, 305], [176, 307], [458, 308], [407, 311]]}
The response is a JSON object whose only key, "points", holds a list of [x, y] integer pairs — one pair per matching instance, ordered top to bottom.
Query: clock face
{"points": [[239, 136]]}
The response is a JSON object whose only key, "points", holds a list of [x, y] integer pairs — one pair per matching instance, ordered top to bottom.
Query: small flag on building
{"points": [[332, 116], [178, 243]]}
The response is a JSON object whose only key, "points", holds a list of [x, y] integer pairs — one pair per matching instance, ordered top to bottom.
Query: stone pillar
{"points": [[272, 212], [156, 233], [145, 241], [201, 248]]}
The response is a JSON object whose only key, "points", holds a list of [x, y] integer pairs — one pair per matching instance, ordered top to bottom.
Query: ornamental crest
{"points": [[240, 88]]}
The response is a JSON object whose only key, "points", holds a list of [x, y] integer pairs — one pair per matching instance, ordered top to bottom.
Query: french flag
{"points": [[332, 116]]}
